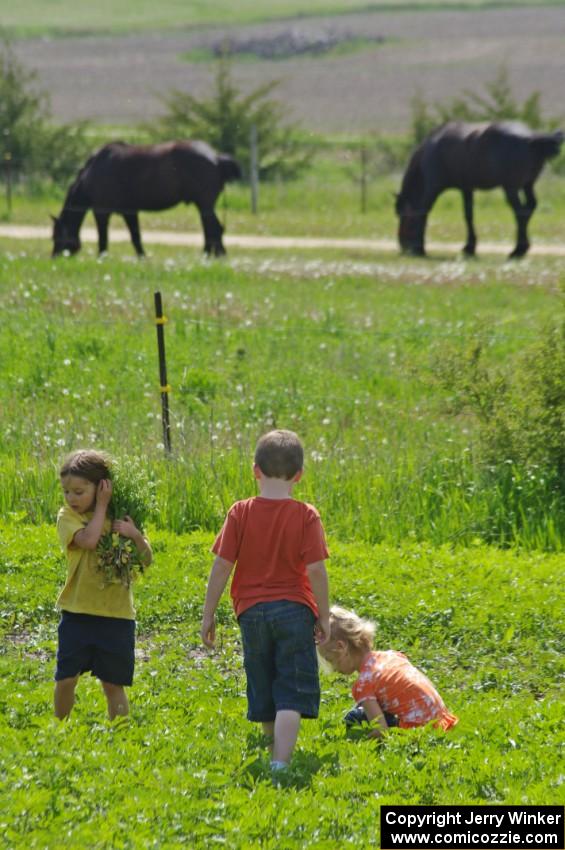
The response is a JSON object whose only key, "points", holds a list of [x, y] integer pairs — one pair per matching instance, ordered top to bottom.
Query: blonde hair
{"points": [[349, 627]]}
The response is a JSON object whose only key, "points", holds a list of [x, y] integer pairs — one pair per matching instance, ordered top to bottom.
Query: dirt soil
{"points": [[436, 54]]}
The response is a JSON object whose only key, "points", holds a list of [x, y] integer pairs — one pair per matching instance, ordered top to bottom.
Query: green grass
{"points": [[62, 17], [343, 349], [189, 770]]}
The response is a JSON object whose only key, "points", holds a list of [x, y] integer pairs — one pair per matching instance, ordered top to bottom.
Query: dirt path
{"points": [[163, 237]]}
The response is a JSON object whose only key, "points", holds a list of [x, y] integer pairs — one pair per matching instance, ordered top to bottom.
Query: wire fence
{"points": [[353, 169]]}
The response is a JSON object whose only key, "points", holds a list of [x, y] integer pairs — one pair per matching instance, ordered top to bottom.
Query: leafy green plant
{"points": [[225, 120], [520, 443], [133, 495]]}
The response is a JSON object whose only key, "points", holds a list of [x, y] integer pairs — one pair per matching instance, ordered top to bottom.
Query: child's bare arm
{"points": [[127, 528], [88, 537], [318, 578], [217, 581], [375, 716]]}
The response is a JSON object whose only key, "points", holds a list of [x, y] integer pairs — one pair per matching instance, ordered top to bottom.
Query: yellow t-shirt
{"points": [[86, 590]]}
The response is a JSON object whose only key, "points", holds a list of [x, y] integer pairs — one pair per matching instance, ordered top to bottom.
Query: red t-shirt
{"points": [[271, 542]]}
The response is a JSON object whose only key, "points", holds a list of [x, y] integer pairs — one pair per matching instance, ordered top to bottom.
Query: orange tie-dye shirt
{"points": [[401, 689]]}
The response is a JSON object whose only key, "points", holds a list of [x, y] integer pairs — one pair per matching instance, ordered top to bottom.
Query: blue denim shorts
{"points": [[105, 646], [280, 660]]}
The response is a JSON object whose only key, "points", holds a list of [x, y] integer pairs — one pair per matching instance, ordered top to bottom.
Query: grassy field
{"points": [[35, 17], [345, 349], [187, 770]]}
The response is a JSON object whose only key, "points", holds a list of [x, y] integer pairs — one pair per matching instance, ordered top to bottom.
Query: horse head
{"points": [[411, 223], [64, 240]]}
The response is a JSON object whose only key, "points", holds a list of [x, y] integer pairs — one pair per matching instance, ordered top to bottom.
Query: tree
{"points": [[496, 103], [225, 120], [28, 140]]}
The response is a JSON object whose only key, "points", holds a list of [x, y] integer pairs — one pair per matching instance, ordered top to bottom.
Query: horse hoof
{"points": [[469, 251], [413, 252], [519, 252]]}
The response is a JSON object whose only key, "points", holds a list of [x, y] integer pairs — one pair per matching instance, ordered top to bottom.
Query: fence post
{"points": [[254, 168], [363, 179], [8, 180], [160, 321]]}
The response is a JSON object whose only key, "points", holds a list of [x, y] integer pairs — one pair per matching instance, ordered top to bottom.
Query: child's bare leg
{"points": [[64, 697], [117, 700], [287, 724], [269, 732]]}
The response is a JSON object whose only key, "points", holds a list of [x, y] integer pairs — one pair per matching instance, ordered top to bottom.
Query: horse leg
{"points": [[428, 200], [528, 209], [523, 213], [102, 220], [132, 222], [213, 230], [471, 244]]}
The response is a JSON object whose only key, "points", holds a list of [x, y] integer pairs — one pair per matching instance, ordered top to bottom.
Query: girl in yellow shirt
{"points": [[97, 627]]}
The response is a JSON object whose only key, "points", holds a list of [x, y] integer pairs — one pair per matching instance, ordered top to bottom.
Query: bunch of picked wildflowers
{"points": [[133, 495]]}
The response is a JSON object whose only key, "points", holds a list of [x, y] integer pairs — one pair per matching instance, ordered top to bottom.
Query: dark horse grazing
{"points": [[468, 157], [125, 179]]}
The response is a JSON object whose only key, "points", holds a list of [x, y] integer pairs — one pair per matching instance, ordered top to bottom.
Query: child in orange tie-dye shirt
{"points": [[390, 691]]}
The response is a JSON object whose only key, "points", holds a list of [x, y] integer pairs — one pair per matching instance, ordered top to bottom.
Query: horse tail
{"points": [[547, 145], [229, 168]]}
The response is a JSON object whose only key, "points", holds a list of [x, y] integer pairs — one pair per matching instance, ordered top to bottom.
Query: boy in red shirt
{"points": [[279, 593]]}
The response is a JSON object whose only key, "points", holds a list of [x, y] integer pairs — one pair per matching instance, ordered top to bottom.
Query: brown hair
{"points": [[279, 454], [88, 464]]}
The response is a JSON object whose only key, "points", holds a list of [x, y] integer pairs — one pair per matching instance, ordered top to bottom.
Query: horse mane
{"points": [[76, 196]]}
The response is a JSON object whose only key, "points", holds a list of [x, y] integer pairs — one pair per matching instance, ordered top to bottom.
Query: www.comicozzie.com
{"points": [[472, 826]]}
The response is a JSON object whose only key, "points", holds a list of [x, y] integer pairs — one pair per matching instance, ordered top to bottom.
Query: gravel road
{"points": [[163, 237]]}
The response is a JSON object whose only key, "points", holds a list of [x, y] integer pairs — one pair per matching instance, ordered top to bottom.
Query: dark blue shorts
{"points": [[102, 645], [280, 660]]}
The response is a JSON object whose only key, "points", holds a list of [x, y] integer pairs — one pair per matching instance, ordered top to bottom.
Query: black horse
{"points": [[467, 157], [124, 179]]}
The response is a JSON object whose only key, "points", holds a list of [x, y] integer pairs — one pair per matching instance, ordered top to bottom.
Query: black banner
{"points": [[473, 827]]}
